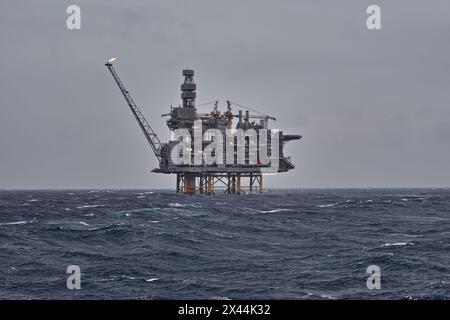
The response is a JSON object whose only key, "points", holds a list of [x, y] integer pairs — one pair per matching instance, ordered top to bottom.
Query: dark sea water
{"points": [[295, 244]]}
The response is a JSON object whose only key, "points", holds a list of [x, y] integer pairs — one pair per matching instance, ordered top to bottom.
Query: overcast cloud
{"points": [[373, 106]]}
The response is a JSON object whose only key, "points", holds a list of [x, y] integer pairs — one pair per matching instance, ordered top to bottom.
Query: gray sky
{"points": [[373, 106]]}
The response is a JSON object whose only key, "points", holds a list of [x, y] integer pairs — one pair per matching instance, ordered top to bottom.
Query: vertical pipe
{"points": [[233, 183], [186, 184], [193, 184], [200, 184], [209, 185], [238, 185]]}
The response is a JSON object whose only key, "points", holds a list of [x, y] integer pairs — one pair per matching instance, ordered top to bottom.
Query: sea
{"points": [[281, 244]]}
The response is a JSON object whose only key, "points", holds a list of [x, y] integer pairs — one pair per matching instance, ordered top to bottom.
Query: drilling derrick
{"points": [[229, 170]]}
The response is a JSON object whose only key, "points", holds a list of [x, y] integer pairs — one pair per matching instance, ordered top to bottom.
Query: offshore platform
{"points": [[208, 178]]}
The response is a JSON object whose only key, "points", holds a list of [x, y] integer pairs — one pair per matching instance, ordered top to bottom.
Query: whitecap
{"points": [[140, 197], [33, 200], [176, 204], [179, 205], [328, 205], [90, 206], [274, 210], [13, 223], [84, 223], [397, 244], [152, 279], [324, 296], [220, 298]]}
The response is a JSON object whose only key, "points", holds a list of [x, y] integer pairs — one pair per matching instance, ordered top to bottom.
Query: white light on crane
{"points": [[111, 60]]}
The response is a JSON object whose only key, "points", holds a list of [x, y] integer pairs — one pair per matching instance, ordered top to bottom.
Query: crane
{"points": [[261, 116], [150, 135]]}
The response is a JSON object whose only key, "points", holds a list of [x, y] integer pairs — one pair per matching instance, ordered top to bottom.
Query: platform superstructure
{"points": [[241, 159]]}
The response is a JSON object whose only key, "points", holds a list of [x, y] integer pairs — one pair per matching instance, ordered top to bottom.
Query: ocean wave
{"points": [[347, 203], [176, 204], [179, 205], [328, 205], [91, 206], [273, 211], [13, 223], [107, 228], [404, 235], [398, 244], [227, 246], [323, 296]]}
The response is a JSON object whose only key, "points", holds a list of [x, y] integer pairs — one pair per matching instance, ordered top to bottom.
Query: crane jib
{"points": [[150, 135]]}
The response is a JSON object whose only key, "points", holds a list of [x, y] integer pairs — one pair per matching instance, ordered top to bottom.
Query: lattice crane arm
{"points": [[264, 115], [150, 135]]}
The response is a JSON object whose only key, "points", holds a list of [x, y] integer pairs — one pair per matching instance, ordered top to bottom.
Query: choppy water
{"points": [[282, 244]]}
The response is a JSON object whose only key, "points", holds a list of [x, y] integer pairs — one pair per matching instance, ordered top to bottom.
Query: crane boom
{"points": [[248, 108], [150, 135]]}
